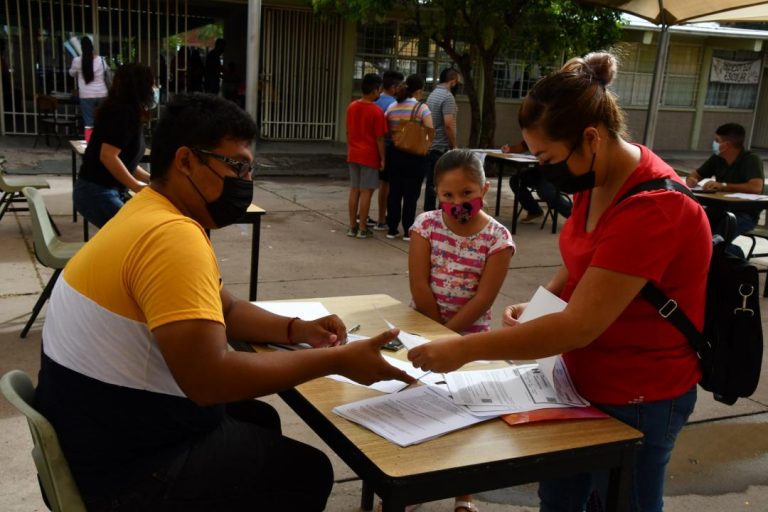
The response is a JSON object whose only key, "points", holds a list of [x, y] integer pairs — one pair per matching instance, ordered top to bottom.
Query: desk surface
{"points": [[78, 146], [514, 157], [730, 203], [488, 442]]}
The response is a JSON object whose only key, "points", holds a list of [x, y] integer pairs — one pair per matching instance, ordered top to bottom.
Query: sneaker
{"points": [[531, 217], [370, 222], [380, 227], [352, 231], [366, 233], [392, 236], [407, 238]]}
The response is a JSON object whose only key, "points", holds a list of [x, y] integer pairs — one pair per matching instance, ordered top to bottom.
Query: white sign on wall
{"points": [[734, 72]]}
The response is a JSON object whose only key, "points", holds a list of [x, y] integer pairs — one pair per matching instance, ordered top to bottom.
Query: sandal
{"points": [[466, 505]]}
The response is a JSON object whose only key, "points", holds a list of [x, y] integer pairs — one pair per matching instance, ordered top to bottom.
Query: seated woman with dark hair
{"points": [[111, 162]]}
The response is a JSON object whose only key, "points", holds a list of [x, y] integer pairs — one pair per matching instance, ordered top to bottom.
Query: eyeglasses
{"points": [[240, 167]]}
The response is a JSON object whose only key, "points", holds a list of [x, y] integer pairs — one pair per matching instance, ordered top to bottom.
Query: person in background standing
{"points": [[213, 67], [90, 71], [392, 80], [442, 104], [366, 127], [111, 160], [406, 170]]}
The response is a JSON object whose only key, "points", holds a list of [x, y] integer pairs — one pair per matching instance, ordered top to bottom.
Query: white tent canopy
{"points": [[673, 12]]}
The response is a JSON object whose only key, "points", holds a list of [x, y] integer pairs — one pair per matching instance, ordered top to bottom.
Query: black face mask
{"points": [[560, 175], [235, 198]]}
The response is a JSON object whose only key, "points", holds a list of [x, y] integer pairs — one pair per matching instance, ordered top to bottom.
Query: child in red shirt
{"points": [[366, 128]]}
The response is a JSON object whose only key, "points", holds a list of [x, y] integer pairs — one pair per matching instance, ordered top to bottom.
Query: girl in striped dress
{"points": [[459, 254]]}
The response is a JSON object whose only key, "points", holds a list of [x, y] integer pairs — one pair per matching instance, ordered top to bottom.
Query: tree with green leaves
{"points": [[475, 33]]}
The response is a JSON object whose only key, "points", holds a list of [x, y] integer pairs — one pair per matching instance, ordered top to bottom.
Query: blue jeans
{"points": [[87, 109], [95, 202], [660, 422]]}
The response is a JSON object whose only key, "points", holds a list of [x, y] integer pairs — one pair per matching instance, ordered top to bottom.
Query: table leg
{"points": [[500, 172], [74, 178], [515, 210], [255, 241], [620, 483], [366, 500]]}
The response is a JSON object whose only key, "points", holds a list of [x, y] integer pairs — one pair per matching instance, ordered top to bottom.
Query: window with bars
{"points": [[397, 45], [680, 85], [743, 96]]}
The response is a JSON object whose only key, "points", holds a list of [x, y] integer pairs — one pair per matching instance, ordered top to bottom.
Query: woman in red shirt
{"points": [[621, 354]]}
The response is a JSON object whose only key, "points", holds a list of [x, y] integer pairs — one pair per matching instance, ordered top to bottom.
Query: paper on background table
{"points": [[747, 197], [303, 310], [411, 417]]}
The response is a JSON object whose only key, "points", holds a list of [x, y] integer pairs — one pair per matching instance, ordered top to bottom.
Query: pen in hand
{"points": [[353, 329]]}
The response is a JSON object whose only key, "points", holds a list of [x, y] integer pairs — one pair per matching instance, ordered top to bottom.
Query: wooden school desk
{"points": [[486, 456]]}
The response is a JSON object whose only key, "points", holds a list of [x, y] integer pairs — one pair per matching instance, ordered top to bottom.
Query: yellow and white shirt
{"points": [[104, 383]]}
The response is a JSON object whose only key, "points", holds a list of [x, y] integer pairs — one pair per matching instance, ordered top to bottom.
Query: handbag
{"points": [[412, 136]]}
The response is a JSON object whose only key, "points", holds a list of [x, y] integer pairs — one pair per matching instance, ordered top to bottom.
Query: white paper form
{"points": [[542, 303], [390, 386], [522, 386], [411, 417]]}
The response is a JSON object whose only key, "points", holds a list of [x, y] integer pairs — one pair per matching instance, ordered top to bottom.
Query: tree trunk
{"points": [[488, 125]]}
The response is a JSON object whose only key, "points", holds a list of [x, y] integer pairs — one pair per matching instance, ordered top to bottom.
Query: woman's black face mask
{"points": [[560, 175]]}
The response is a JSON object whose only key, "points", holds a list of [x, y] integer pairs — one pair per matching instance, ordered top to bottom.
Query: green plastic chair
{"points": [[11, 188], [49, 249], [59, 488]]}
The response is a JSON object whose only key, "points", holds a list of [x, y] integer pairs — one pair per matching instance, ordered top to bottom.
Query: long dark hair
{"points": [[86, 58], [132, 87]]}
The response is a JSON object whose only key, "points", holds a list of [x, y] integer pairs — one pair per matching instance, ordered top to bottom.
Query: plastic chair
{"points": [[48, 120], [11, 189], [760, 231], [49, 249], [59, 488]]}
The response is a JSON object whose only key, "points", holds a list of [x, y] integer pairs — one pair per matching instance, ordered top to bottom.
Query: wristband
{"points": [[288, 330]]}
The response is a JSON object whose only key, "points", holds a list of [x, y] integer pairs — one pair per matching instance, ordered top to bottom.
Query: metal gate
{"points": [[36, 47], [300, 60]]}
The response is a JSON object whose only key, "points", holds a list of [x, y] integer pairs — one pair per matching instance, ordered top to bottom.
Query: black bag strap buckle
{"points": [[746, 291], [668, 308]]}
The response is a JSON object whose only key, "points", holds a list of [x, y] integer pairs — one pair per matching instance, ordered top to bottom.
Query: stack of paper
{"points": [[425, 412], [413, 416]]}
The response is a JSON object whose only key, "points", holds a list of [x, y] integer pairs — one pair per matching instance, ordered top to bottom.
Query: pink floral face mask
{"points": [[465, 211]]}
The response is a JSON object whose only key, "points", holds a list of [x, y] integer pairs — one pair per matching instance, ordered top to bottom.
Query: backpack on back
{"points": [[730, 348]]}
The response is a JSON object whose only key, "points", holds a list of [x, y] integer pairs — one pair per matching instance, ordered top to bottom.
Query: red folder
{"points": [[564, 413]]}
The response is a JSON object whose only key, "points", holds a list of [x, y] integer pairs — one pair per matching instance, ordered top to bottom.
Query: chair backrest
{"points": [[46, 105], [43, 234], [55, 476]]}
